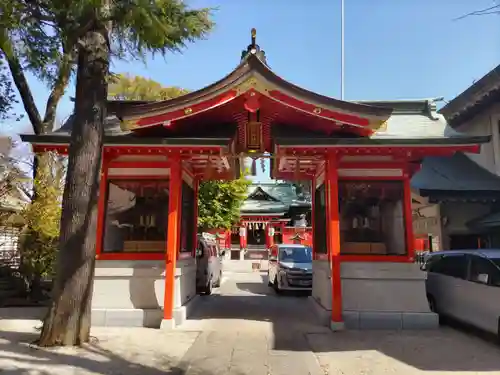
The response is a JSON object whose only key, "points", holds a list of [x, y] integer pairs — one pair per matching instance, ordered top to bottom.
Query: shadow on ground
{"points": [[295, 329], [25, 359]]}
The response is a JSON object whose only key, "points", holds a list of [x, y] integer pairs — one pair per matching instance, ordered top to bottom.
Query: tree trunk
{"points": [[68, 320]]}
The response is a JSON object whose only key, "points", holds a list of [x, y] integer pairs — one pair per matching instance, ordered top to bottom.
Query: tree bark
{"points": [[68, 320]]}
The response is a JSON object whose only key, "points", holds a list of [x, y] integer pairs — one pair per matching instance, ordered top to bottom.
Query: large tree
{"points": [[87, 32], [128, 87], [219, 202]]}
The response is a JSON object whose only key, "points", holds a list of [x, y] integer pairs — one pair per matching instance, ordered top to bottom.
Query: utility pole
{"points": [[342, 49]]}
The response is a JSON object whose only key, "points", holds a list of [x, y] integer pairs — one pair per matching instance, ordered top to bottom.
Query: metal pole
{"points": [[342, 49]]}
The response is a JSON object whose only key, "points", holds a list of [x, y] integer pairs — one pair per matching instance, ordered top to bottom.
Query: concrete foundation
{"points": [[131, 293], [375, 295]]}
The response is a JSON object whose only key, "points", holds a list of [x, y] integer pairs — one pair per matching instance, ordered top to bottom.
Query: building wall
{"points": [[486, 124], [455, 215], [131, 293], [376, 295]]}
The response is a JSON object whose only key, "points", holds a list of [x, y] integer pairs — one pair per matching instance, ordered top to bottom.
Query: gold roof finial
{"points": [[254, 35]]}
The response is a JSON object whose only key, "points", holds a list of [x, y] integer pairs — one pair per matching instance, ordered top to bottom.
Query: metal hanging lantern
{"points": [[253, 170]]}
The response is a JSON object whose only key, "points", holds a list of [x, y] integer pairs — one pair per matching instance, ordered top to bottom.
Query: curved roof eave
{"points": [[251, 66]]}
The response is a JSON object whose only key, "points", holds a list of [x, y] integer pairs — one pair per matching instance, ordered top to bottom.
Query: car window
{"points": [[199, 250], [295, 254], [496, 261], [430, 262], [451, 265], [483, 271]]}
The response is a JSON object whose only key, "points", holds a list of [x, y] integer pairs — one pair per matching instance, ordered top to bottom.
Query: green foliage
{"points": [[126, 87], [7, 95], [219, 203], [42, 220]]}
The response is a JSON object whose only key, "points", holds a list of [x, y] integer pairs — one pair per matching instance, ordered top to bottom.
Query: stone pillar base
{"points": [[167, 324], [337, 326]]}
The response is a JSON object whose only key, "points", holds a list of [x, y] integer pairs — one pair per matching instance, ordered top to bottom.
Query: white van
{"points": [[208, 263], [465, 285]]}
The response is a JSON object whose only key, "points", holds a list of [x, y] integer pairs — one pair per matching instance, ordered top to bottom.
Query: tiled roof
{"points": [[476, 98], [457, 173], [284, 196], [488, 221]]}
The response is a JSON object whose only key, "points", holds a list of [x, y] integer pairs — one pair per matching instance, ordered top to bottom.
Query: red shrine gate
{"points": [[156, 154]]}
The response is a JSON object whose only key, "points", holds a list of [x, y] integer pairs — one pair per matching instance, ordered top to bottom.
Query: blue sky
{"points": [[394, 49]]}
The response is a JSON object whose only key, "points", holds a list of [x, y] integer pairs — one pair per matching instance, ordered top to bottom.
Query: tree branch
{"points": [[495, 9], [21, 83], [58, 90]]}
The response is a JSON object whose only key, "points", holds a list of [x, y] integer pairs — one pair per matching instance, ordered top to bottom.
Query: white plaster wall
{"points": [[185, 282], [122, 284], [140, 284], [322, 284], [373, 287], [383, 287]]}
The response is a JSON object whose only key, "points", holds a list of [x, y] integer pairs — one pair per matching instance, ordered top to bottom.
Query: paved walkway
{"points": [[245, 329]]}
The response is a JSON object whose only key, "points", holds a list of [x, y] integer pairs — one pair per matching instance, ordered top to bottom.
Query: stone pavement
{"points": [[245, 329]]}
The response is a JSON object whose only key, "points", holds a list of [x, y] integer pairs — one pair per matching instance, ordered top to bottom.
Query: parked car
{"points": [[208, 263], [290, 267], [465, 285]]}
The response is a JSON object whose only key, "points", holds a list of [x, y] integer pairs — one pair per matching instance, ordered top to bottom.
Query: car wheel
{"points": [[219, 280], [276, 286], [209, 287], [432, 304], [434, 308], [498, 331]]}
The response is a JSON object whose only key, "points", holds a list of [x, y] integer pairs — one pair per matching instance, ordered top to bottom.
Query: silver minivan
{"points": [[208, 263], [290, 267], [465, 285]]}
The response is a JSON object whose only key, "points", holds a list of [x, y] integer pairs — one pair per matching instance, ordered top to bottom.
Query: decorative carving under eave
{"points": [[253, 83], [126, 125], [379, 125]]}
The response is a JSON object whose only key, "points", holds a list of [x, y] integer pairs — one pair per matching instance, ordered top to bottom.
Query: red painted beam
{"points": [[313, 110], [186, 111], [139, 164]]}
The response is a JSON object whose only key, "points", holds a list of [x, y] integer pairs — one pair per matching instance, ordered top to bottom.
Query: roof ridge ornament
{"points": [[253, 49]]}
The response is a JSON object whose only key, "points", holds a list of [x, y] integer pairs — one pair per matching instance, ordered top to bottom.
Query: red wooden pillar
{"points": [[196, 187], [101, 207], [313, 215], [408, 217], [173, 235], [269, 235], [243, 236], [333, 236]]}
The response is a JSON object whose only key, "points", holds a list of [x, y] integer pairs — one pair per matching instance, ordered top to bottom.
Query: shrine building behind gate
{"points": [[360, 157]]}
